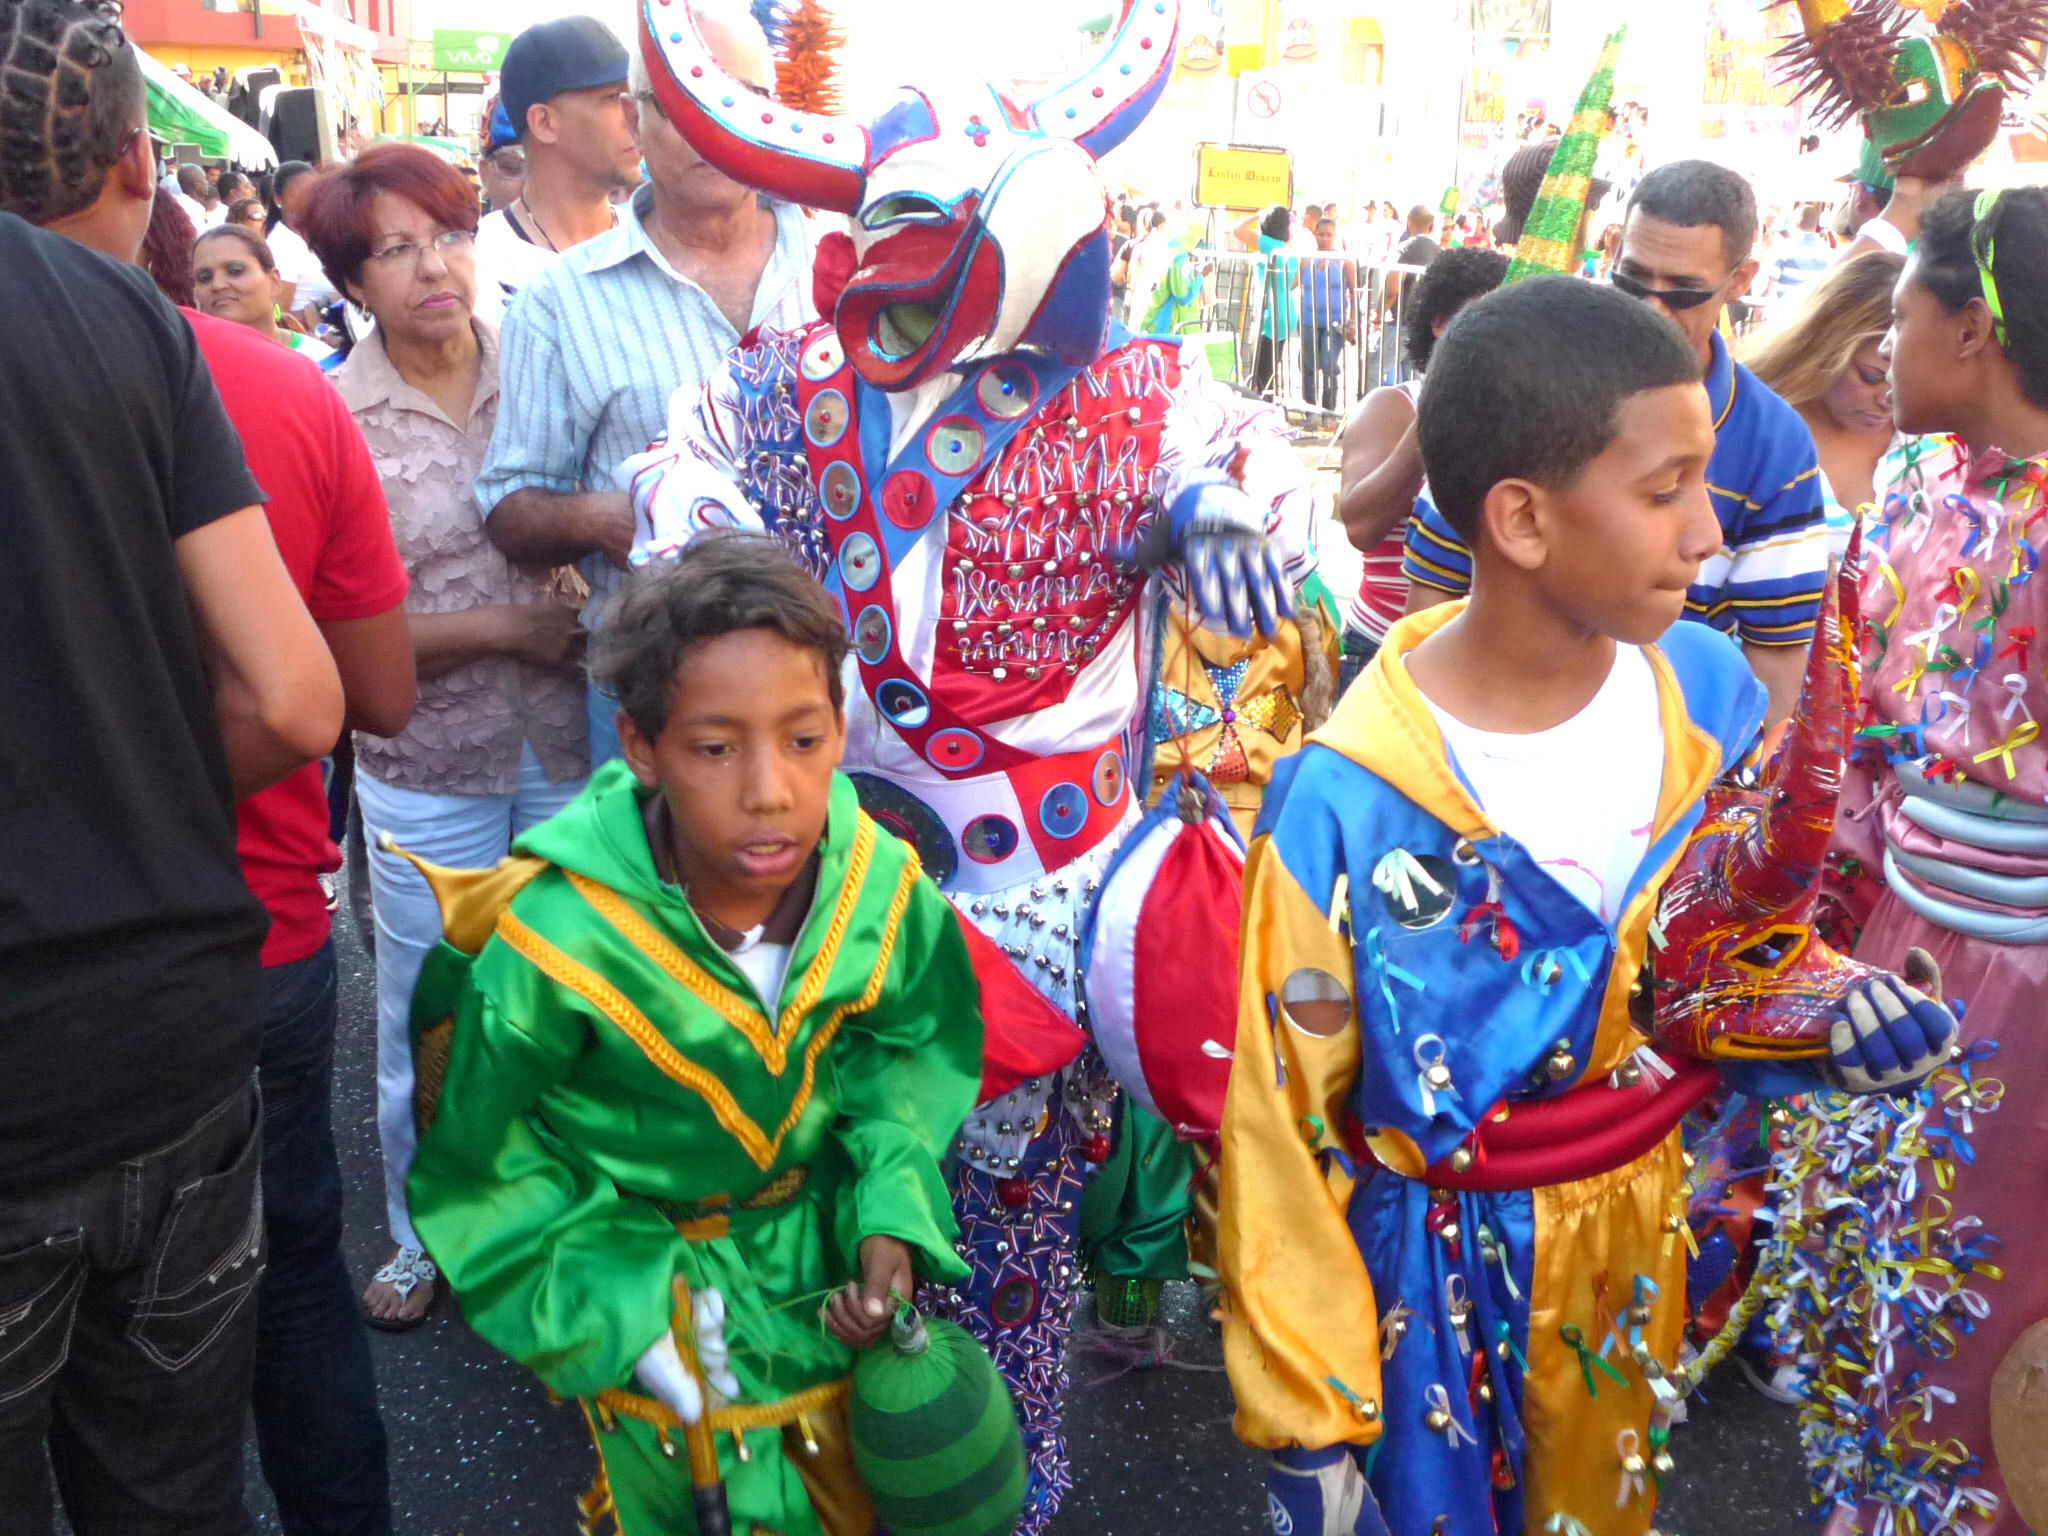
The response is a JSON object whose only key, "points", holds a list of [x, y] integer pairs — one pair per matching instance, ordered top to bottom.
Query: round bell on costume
{"points": [[2019, 1424], [934, 1434]]}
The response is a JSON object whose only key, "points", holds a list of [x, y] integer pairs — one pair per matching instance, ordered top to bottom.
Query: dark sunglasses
{"points": [[1670, 298]]}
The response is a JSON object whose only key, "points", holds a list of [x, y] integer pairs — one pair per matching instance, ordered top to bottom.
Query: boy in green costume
{"points": [[704, 1065]]}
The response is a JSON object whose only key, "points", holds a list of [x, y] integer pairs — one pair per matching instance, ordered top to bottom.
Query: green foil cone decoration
{"points": [[1550, 238], [934, 1434]]}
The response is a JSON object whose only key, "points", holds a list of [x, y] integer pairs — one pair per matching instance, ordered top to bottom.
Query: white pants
{"points": [[462, 832]]}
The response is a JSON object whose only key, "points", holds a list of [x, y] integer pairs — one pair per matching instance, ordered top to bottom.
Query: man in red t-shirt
{"points": [[317, 1429]]}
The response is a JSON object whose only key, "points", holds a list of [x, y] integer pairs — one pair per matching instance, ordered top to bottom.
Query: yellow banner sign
{"points": [[1235, 176]]}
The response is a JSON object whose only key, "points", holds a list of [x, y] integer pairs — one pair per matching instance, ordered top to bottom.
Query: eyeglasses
{"points": [[448, 243], [1670, 298]]}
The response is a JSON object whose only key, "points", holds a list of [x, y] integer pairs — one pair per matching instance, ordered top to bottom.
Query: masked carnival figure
{"points": [[995, 484]]}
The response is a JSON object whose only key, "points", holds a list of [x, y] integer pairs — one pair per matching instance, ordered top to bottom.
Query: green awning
{"points": [[1100, 24], [178, 114], [175, 122]]}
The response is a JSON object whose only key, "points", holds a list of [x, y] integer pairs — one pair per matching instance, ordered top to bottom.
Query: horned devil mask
{"points": [[979, 223]]}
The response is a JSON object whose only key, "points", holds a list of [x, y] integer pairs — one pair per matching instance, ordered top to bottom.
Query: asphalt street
{"points": [[477, 1449]]}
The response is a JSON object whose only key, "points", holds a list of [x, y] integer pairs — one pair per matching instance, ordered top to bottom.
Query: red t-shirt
{"points": [[328, 516]]}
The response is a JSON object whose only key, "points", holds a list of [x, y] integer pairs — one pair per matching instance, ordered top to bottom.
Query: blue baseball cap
{"points": [[570, 53], [500, 134]]}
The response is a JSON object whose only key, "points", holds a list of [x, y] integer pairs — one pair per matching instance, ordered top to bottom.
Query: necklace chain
{"points": [[539, 228]]}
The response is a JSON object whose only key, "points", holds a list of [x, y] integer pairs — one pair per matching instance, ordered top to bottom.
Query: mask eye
{"points": [[905, 208], [1771, 951]]}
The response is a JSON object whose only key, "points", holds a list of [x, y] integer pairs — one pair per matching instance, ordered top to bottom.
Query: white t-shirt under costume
{"points": [[1581, 797]]}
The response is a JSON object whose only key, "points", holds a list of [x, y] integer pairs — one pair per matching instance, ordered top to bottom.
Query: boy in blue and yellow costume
{"points": [[1452, 1180]]}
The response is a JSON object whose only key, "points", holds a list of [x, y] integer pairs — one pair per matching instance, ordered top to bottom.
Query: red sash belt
{"points": [[1593, 1129]]}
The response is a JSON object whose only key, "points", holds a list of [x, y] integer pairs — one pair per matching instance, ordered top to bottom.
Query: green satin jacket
{"points": [[620, 1111]]}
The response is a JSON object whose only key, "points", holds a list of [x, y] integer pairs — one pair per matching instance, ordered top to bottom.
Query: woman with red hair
{"points": [[498, 741]]}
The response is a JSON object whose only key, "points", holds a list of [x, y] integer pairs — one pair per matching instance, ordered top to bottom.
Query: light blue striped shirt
{"points": [[594, 348]]}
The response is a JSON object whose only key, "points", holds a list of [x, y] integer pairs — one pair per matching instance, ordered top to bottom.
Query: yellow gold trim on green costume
{"points": [[883, 953], [820, 969], [566, 971], [687, 973], [616, 1006], [772, 1045], [733, 1418]]}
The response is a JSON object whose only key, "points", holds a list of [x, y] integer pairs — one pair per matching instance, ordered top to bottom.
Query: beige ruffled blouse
{"points": [[470, 724]]}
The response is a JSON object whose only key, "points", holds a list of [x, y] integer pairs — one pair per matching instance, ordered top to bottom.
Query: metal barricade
{"points": [[1312, 332]]}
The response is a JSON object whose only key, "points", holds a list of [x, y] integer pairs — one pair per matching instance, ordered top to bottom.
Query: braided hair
{"points": [[71, 97]]}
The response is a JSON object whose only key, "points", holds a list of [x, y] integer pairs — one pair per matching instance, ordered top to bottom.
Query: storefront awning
{"points": [[179, 114]]}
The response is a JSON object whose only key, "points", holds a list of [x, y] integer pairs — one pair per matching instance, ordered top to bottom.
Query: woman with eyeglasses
{"points": [[235, 276], [1824, 360], [498, 741], [1913, 1252]]}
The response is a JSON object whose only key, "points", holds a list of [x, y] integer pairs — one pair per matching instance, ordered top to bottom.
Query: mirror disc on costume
{"points": [[822, 358], [1007, 391], [825, 421], [954, 446], [839, 487], [907, 499], [860, 562], [872, 633], [904, 703], [954, 750], [1109, 778], [1064, 810], [897, 811], [989, 839], [1419, 891], [1315, 1002], [1015, 1302]]}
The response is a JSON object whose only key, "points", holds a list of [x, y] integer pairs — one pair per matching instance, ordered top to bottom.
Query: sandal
{"points": [[408, 1270]]}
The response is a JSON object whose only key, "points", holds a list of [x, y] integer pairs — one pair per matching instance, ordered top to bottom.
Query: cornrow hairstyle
{"points": [[71, 99], [2012, 240]]}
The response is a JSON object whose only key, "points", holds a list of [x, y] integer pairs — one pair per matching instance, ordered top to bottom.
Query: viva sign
{"points": [[474, 52]]}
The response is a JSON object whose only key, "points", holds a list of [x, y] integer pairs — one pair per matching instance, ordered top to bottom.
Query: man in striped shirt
{"points": [[1686, 250], [1797, 263], [597, 344]]}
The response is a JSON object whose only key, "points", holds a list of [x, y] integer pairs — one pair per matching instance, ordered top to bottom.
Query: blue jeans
{"points": [[1322, 356], [603, 711], [461, 832], [127, 1335], [317, 1430]]}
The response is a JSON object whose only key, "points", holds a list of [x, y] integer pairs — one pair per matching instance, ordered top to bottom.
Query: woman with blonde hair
{"points": [[1826, 362]]}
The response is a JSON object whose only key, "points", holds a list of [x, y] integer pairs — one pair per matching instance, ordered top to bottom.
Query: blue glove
{"points": [[1219, 538], [1887, 1036], [1321, 1493]]}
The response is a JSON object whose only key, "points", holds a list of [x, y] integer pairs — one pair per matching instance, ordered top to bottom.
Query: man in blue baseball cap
{"points": [[560, 90], [502, 170]]}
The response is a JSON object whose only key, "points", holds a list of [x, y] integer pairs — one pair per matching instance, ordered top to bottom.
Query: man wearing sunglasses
{"points": [[1686, 250]]}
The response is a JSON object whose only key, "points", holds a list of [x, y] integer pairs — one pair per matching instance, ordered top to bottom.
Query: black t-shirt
{"points": [[1418, 251], [130, 987]]}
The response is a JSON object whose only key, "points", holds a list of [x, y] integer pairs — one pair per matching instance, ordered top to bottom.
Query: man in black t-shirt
{"points": [[155, 664]]}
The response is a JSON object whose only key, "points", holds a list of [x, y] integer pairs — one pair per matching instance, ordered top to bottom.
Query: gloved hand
{"points": [[1218, 537], [1887, 1036], [662, 1372], [1321, 1493]]}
